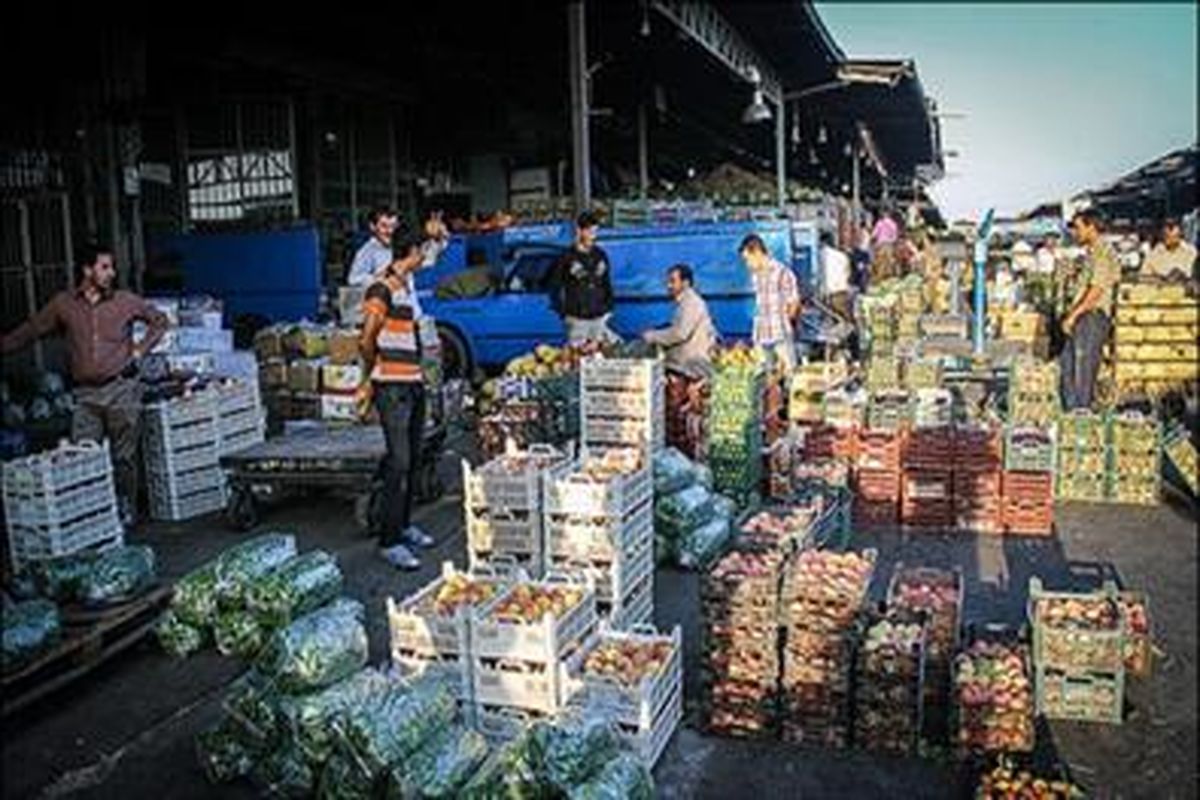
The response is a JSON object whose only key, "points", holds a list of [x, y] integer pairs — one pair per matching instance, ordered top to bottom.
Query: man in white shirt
{"points": [[1047, 255], [1171, 256], [372, 260], [834, 276]]}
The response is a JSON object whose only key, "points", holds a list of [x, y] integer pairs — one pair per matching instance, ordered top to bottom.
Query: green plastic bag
{"points": [[673, 472], [682, 511], [701, 546], [239, 566], [118, 575], [61, 579], [303, 584], [195, 598], [30, 629], [239, 633], [178, 638], [318, 649], [253, 707], [310, 717], [397, 723], [574, 751], [222, 753], [440, 768], [284, 773], [510, 773], [344, 778], [623, 778]]}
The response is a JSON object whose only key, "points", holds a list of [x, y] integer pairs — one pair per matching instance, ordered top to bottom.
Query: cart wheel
{"points": [[241, 511]]}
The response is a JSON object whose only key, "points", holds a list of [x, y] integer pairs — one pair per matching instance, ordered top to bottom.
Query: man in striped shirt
{"points": [[391, 351]]}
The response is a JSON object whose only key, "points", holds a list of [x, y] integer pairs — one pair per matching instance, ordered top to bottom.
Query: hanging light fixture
{"points": [[645, 29], [757, 111], [795, 131], [821, 136], [848, 151], [812, 157]]}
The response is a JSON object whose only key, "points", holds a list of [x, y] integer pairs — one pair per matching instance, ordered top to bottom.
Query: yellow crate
{"points": [[1150, 294], [1148, 316], [1180, 316], [1169, 333], [1129, 334], [1157, 352]]}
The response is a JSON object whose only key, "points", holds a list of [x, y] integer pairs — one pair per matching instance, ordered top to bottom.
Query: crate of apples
{"points": [[830, 578], [461, 590], [939, 594], [529, 603], [1134, 605], [1083, 632], [634, 674], [994, 698], [1005, 781]]}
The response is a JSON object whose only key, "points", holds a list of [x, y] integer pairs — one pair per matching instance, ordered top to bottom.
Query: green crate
{"points": [[1023, 454], [1180, 456], [1090, 650], [1081, 697]]}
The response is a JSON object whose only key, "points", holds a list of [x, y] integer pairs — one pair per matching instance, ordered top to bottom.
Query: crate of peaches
{"points": [[512, 481], [611, 484], [743, 584], [825, 591], [937, 592], [535, 621], [433, 622], [1077, 631], [1138, 651], [632, 674], [993, 698], [1007, 780]]}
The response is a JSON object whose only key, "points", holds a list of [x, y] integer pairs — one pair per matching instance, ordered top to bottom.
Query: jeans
{"points": [[1080, 359], [401, 408], [113, 411]]}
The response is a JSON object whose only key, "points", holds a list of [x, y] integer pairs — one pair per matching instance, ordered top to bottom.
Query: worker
{"points": [[884, 237], [1047, 255], [1172, 257], [373, 259], [834, 276], [581, 289], [777, 301], [97, 320], [1087, 322], [691, 336], [393, 382]]}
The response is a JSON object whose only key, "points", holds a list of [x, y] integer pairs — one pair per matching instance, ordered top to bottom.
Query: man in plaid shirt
{"points": [[777, 300]]}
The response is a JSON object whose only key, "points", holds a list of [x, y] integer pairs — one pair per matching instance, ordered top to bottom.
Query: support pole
{"points": [[580, 154], [643, 154], [780, 157], [856, 184], [30, 280], [979, 296]]}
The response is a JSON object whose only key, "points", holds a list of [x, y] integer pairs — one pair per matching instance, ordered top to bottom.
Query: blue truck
{"points": [[486, 332]]}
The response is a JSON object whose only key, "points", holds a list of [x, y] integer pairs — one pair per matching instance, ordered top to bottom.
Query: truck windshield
{"points": [[531, 272]]}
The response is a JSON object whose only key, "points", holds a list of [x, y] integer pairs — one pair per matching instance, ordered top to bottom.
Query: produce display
{"points": [[735, 421], [787, 526], [242, 564], [118, 575], [300, 585], [460, 590], [825, 591], [937, 593], [528, 603], [1137, 625], [30, 629], [1079, 632], [238, 633], [178, 638], [318, 649], [627, 662], [889, 685], [994, 698], [309, 716], [394, 725], [440, 767], [1006, 782]]}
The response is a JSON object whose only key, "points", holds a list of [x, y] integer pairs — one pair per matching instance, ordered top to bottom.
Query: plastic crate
{"points": [[621, 373], [237, 395], [624, 403], [241, 420], [598, 431], [178, 437], [241, 440], [978, 448], [1029, 449], [879, 451], [207, 454], [43, 475], [510, 482], [874, 485], [174, 486], [578, 494], [62, 505], [189, 507], [95, 531], [517, 532], [592, 538], [483, 560], [613, 578], [636, 608], [415, 627], [943, 633], [546, 641], [1072, 649], [453, 669], [528, 686], [1083, 697], [640, 704], [500, 724], [651, 742]]}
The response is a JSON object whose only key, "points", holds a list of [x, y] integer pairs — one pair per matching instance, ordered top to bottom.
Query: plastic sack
{"points": [[673, 471], [703, 475], [724, 506], [683, 510], [701, 546], [242, 564], [118, 575], [61, 579], [299, 586], [195, 598], [30, 629], [239, 634], [176, 637], [318, 649], [252, 705], [309, 717], [397, 723], [574, 751], [222, 753], [440, 768], [510, 773], [285, 774], [343, 778], [623, 778]]}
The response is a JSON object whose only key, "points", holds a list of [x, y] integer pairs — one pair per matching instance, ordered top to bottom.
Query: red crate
{"points": [[830, 441], [929, 448], [978, 449], [879, 450], [928, 484], [981, 485], [874, 486], [1030, 487], [868, 513], [936, 514], [980, 523], [1028, 523]]}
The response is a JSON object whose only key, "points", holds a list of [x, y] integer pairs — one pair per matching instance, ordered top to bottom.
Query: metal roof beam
{"points": [[709, 28]]}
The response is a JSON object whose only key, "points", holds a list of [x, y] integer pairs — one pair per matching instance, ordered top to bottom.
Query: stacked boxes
{"points": [[881, 323], [1156, 334], [883, 373], [922, 373], [809, 385], [1033, 392], [622, 404], [889, 410], [241, 421], [735, 431], [181, 441], [1083, 456], [978, 461], [1136, 475], [877, 478], [927, 487], [60, 502], [1028, 505], [503, 507], [599, 523], [823, 595], [1078, 653], [889, 684], [989, 721]]}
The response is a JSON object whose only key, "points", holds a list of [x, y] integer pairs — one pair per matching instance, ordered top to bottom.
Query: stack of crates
{"points": [[909, 305], [881, 323], [1156, 338], [883, 373], [922, 373], [809, 385], [1033, 392], [622, 404], [933, 408], [889, 410], [241, 421], [735, 432], [181, 441], [1083, 456], [978, 463], [1136, 466], [877, 478], [1027, 486], [927, 487], [60, 502], [502, 506], [603, 530], [1078, 653], [520, 664], [889, 684]]}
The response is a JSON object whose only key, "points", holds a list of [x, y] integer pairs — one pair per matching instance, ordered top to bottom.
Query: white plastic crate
{"points": [[204, 340], [239, 364], [598, 372], [237, 395], [637, 404], [182, 410], [242, 420], [634, 433], [243, 439], [207, 454], [45, 474], [498, 485], [175, 486], [578, 494], [196, 505], [62, 506], [97, 530], [517, 533], [592, 538], [483, 560], [614, 578], [637, 608], [419, 629], [546, 641], [452, 668], [527, 686], [641, 704], [502, 724], [650, 743]]}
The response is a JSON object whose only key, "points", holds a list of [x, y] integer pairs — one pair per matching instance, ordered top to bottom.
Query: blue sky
{"points": [[1059, 97]]}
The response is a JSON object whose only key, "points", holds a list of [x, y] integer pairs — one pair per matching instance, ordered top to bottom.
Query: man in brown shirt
{"points": [[1088, 321], [98, 324]]}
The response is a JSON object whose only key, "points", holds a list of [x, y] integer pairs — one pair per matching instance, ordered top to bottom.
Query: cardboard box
{"points": [[205, 340], [306, 341], [268, 343], [343, 346], [273, 374], [304, 375], [341, 378], [339, 408]]}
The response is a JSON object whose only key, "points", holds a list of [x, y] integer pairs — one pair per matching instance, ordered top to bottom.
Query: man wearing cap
{"points": [[581, 289], [1088, 320]]}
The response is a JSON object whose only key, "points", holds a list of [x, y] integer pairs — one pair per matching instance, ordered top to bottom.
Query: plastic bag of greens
{"points": [[673, 472], [704, 476], [724, 506], [685, 509], [701, 546], [664, 550], [242, 564], [118, 576], [62, 579], [301, 585], [23, 587], [195, 598], [30, 629], [238, 633], [178, 638], [318, 649], [252, 705], [309, 717], [397, 723], [576, 750], [223, 754], [442, 766], [510, 773], [285, 774], [343, 778], [623, 778]]}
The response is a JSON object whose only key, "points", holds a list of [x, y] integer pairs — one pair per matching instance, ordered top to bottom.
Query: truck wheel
{"points": [[456, 359], [241, 512]]}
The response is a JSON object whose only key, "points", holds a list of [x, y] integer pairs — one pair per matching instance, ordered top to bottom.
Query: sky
{"points": [[1058, 97]]}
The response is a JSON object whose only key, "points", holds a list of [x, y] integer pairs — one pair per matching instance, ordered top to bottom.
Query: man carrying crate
{"points": [[97, 321]]}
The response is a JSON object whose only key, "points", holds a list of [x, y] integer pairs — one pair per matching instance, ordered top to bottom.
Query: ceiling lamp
{"points": [[645, 29], [757, 111], [821, 137], [847, 150], [812, 157]]}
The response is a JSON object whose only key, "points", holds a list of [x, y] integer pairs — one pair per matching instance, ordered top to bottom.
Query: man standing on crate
{"points": [[581, 289], [777, 301], [1088, 320], [97, 321], [390, 346]]}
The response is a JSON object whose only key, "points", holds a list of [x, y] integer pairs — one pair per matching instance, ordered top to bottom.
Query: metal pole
{"points": [[577, 48], [294, 149], [643, 154], [780, 156], [856, 197], [68, 244], [30, 283], [979, 296]]}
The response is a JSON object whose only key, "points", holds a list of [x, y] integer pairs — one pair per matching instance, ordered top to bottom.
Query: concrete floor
{"points": [[127, 731]]}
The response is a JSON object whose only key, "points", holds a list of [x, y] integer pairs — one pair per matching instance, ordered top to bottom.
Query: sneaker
{"points": [[415, 536], [400, 557]]}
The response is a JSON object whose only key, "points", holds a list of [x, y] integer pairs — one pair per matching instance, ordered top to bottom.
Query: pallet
{"points": [[89, 639]]}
